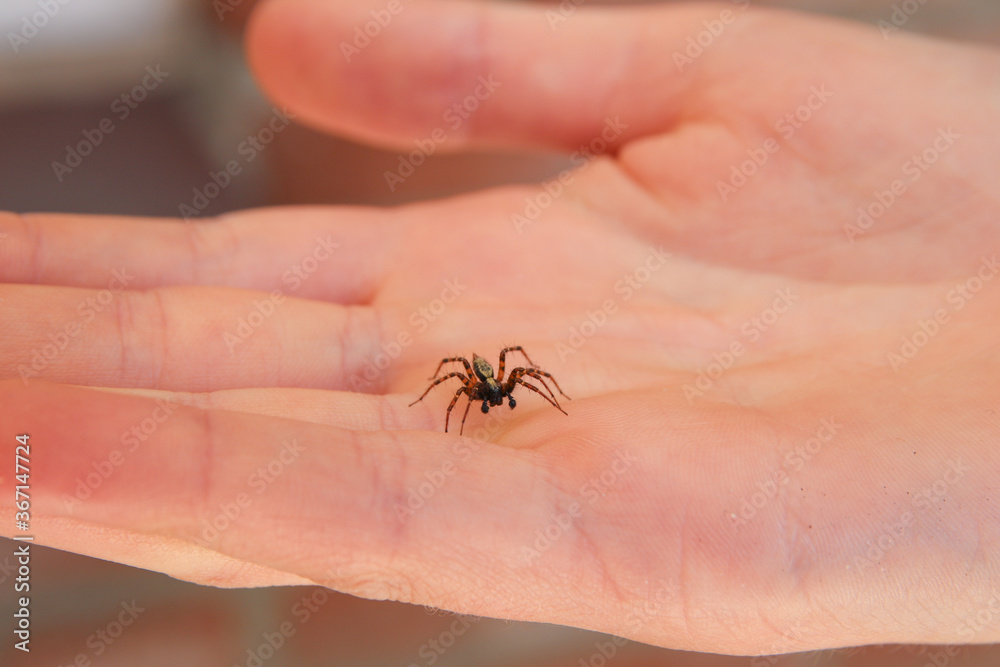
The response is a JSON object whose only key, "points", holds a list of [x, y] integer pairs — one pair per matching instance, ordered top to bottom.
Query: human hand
{"points": [[744, 511]]}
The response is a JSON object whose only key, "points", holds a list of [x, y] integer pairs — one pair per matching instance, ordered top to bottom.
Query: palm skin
{"points": [[753, 461]]}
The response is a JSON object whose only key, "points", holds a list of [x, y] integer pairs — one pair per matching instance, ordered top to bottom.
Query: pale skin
{"points": [[812, 491]]}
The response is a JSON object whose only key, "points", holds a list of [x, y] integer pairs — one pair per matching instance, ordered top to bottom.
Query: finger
{"points": [[487, 73], [331, 254], [189, 338], [205, 339]]}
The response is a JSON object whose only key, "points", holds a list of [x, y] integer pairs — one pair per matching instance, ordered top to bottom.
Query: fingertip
{"points": [[384, 72]]}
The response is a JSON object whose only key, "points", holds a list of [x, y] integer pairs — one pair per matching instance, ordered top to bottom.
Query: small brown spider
{"points": [[480, 385]]}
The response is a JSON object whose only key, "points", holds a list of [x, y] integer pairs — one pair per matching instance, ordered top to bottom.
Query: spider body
{"points": [[480, 385]]}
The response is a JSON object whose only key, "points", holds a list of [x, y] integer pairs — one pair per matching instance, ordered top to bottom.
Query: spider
{"points": [[480, 385]]}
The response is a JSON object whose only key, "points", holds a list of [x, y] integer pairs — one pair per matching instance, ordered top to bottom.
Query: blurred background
{"points": [[136, 107]]}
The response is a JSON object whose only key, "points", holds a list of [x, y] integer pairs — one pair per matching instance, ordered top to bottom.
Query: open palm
{"points": [[768, 287]]}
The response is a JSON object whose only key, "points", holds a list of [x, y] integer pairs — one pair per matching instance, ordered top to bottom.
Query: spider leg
{"points": [[503, 358], [468, 366], [537, 373], [515, 376], [465, 380], [538, 391], [454, 400], [468, 405]]}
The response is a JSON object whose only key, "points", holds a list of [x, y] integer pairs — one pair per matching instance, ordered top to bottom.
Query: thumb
{"points": [[485, 74]]}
